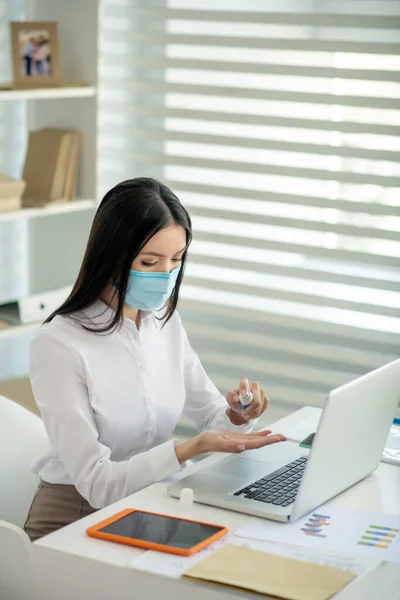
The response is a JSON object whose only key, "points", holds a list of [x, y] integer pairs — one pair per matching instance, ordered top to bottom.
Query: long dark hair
{"points": [[128, 216]]}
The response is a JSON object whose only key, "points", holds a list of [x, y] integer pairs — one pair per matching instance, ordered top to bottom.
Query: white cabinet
{"points": [[41, 249]]}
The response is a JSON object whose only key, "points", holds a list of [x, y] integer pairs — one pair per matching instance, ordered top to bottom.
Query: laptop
{"points": [[283, 481]]}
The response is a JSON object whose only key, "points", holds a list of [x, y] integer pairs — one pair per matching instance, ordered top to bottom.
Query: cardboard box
{"points": [[51, 166], [11, 191]]}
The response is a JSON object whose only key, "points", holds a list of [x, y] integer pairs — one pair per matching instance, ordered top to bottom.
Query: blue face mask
{"points": [[149, 291]]}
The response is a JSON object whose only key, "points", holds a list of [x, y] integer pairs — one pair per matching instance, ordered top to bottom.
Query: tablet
{"points": [[307, 442], [157, 532]]}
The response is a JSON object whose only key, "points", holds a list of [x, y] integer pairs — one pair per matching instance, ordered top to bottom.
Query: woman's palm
{"points": [[235, 442]]}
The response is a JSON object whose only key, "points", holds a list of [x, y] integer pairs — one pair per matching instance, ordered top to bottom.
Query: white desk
{"points": [[70, 565]]}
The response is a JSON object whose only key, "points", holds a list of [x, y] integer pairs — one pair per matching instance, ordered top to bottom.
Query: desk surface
{"points": [[378, 492]]}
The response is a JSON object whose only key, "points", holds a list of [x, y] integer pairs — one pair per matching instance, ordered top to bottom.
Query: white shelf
{"points": [[48, 93], [47, 211], [30, 246], [10, 314], [12, 330]]}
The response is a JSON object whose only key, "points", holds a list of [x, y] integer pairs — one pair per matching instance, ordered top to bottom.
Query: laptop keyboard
{"points": [[278, 488]]}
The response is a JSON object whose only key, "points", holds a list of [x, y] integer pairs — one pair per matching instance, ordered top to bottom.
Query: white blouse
{"points": [[110, 402]]}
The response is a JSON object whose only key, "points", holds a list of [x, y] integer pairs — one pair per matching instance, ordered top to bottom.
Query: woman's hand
{"points": [[239, 415], [225, 441]]}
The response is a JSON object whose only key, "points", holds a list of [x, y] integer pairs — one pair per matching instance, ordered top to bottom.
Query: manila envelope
{"points": [[270, 574]]}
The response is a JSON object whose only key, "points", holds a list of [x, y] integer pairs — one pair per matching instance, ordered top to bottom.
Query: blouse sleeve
{"points": [[60, 390]]}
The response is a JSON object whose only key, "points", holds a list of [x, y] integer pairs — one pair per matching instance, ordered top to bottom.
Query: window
{"points": [[277, 124]]}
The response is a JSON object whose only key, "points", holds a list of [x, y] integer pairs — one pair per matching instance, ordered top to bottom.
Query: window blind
{"points": [[277, 124]]}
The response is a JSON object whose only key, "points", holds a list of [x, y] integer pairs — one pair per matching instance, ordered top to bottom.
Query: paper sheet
{"points": [[299, 430], [365, 534], [174, 566], [268, 574], [381, 584]]}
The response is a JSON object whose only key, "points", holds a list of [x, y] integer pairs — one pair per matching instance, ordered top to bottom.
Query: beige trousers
{"points": [[54, 506]]}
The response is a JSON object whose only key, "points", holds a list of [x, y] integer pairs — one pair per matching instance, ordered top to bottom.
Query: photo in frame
{"points": [[35, 54]]}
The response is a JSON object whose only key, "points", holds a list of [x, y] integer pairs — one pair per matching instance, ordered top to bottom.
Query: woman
{"points": [[27, 51], [39, 57], [112, 378]]}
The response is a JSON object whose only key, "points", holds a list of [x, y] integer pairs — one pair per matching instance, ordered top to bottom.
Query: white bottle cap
{"points": [[246, 400], [186, 497]]}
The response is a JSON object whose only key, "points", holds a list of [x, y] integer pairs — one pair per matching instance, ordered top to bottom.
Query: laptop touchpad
{"points": [[236, 466]]}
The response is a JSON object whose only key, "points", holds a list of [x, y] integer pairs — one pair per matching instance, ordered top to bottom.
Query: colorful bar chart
{"points": [[315, 525], [366, 534], [378, 536]]}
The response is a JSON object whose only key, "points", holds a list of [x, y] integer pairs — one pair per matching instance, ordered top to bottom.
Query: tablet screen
{"points": [[158, 529]]}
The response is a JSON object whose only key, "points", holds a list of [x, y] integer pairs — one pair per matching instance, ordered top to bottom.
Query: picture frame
{"points": [[35, 54]]}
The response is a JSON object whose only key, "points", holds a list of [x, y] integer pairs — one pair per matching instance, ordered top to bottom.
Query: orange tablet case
{"points": [[93, 531]]}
